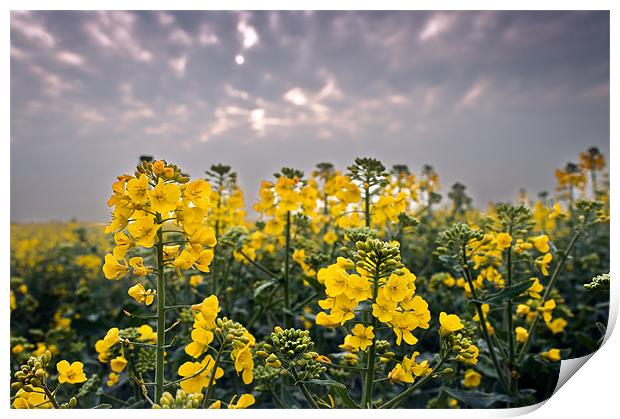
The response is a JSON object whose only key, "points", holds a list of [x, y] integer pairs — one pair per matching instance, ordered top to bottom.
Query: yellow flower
{"points": [[137, 189], [199, 193], [164, 197], [557, 212], [144, 230], [330, 237], [503, 240], [542, 243], [123, 244], [204, 260], [137, 263], [544, 264], [112, 269], [195, 280], [336, 280], [397, 287], [358, 288], [535, 290], [141, 295], [209, 308], [547, 309], [449, 323], [557, 325], [147, 334], [521, 334], [362, 337], [201, 339], [17, 349], [552, 355], [118, 364], [245, 364], [70, 373], [112, 379], [196, 379], [471, 379], [35, 399], [246, 400]]}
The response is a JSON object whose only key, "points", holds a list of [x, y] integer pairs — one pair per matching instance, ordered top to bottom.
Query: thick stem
{"points": [[367, 204], [286, 285], [545, 297], [161, 316], [370, 361], [216, 363], [303, 389], [51, 397]]}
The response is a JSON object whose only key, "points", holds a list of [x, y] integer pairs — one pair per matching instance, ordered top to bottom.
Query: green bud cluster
{"points": [[369, 171], [290, 173], [589, 213], [516, 219], [407, 220], [234, 236], [453, 239], [378, 257], [599, 283], [231, 331], [382, 346], [461, 346], [292, 348], [146, 359], [32, 373], [263, 376], [90, 386], [182, 400], [70, 404]]}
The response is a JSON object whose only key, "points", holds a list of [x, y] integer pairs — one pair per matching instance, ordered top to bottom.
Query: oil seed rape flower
{"points": [[164, 197], [557, 212], [143, 230], [503, 241], [542, 243], [137, 263], [544, 263], [112, 269], [397, 287], [535, 290], [141, 295], [209, 308], [547, 309], [449, 323], [557, 325], [521, 334], [361, 337], [201, 339], [552, 355], [118, 364], [244, 364], [405, 371], [71, 373], [200, 373], [112, 379], [471, 379], [31, 400], [246, 400]]}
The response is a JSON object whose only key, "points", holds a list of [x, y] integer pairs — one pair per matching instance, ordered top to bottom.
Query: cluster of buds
{"points": [[160, 168], [370, 172], [589, 213], [514, 218], [457, 237], [378, 257], [599, 283], [231, 330], [463, 348], [292, 349], [145, 359], [32, 373], [182, 400]]}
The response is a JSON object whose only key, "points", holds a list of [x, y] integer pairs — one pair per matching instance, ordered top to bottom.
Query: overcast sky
{"points": [[494, 100]]}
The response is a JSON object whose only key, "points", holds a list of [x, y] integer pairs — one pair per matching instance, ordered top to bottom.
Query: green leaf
{"points": [[263, 287], [508, 292], [344, 396], [477, 399]]}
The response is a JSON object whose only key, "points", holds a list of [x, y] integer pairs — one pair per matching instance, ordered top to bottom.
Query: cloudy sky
{"points": [[493, 100]]}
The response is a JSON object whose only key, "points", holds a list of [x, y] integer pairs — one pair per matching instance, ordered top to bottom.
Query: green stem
{"points": [[367, 204], [286, 285], [545, 297], [161, 316], [509, 321], [483, 324], [370, 361], [216, 363], [303, 389], [51, 397]]}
